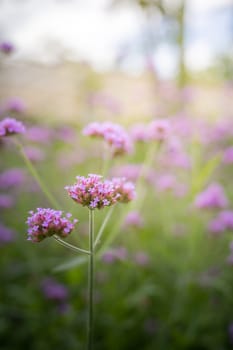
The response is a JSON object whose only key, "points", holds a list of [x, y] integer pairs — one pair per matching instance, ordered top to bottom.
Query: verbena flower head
{"points": [[11, 126], [159, 129], [113, 134], [13, 177], [125, 189], [93, 192], [212, 197], [223, 221], [48, 222], [6, 234]]}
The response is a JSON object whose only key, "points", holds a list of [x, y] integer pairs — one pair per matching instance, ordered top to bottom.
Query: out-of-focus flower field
{"points": [[164, 265]]}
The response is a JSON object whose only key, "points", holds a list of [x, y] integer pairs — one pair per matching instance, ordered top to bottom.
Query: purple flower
{"points": [[6, 47], [15, 105], [11, 126], [159, 130], [140, 132], [40, 134], [113, 134], [34, 154], [228, 156], [13, 177], [124, 189], [93, 192], [212, 197], [6, 201], [134, 219], [223, 221], [48, 222], [6, 234], [115, 254], [141, 258], [53, 290]]}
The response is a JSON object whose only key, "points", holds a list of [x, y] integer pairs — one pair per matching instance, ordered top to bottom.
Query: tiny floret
{"points": [[11, 126], [48, 222]]}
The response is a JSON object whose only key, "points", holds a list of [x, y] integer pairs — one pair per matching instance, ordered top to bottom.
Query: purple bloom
{"points": [[6, 47], [15, 105], [11, 126], [159, 130], [140, 132], [40, 134], [113, 134], [34, 154], [228, 155], [13, 177], [124, 189], [93, 192], [212, 197], [6, 201], [134, 219], [223, 221], [48, 222], [6, 234], [115, 254], [141, 258], [53, 290]]}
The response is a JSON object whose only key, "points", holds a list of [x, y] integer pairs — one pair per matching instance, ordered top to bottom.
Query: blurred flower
{"points": [[6, 47], [15, 105], [11, 126], [159, 130], [140, 132], [40, 134], [113, 134], [34, 154], [228, 156], [129, 171], [13, 177], [212, 197], [6, 201], [133, 219], [223, 221], [48, 222], [6, 234], [115, 254], [141, 258], [53, 290], [230, 332]]}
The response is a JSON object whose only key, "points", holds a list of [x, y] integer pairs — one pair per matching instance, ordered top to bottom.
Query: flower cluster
{"points": [[11, 126], [159, 129], [113, 134], [125, 189], [95, 193], [212, 197], [48, 222]]}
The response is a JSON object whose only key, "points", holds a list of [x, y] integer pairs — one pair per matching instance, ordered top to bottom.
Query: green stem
{"points": [[36, 176], [101, 230], [70, 246], [90, 282]]}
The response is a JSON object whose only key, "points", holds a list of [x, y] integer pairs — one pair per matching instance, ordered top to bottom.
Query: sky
{"points": [[90, 30]]}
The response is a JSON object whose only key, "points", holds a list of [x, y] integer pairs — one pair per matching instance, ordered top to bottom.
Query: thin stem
{"points": [[36, 176], [101, 230], [70, 246], [90, 282]]}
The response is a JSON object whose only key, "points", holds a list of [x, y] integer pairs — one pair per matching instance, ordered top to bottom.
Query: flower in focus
{"points": [[11, 126], [113, 134], [125, 189], [93, 192], [212, 197], [48, 222]]}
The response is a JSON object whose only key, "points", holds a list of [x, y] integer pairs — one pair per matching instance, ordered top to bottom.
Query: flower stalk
{"points": [[90, 324]]}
